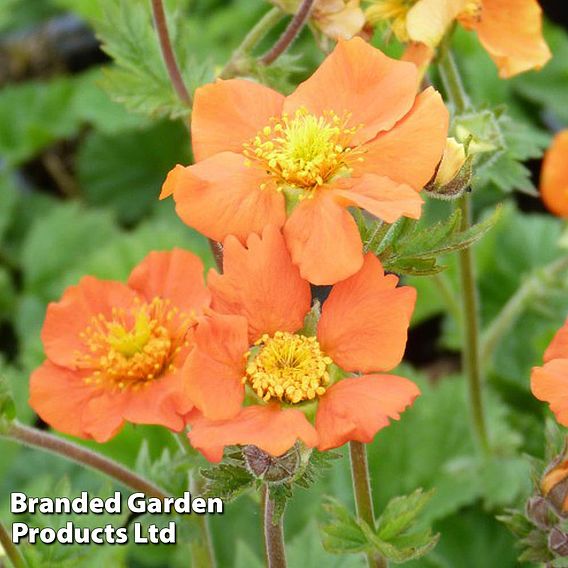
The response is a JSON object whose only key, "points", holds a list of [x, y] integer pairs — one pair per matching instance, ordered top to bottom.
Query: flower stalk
{"points": [[294, 28], [256, 34], [168, 52], [471, 359], [73, 452], [363, 497], [273, 534], [11, 550]]}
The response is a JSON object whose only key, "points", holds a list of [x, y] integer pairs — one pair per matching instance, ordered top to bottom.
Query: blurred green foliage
{"points": [[79, 180]]}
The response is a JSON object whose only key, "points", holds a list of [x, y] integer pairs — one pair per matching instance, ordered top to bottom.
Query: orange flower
{"points": [[510, 30], [353, 135], [554, 177], [115, 351], [257, 378], [549, 383]]}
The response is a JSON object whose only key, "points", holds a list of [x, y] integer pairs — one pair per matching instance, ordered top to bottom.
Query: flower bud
{"points": [[454, 172], [272, 469], [554, 485], [539, 513], [558, 542]]}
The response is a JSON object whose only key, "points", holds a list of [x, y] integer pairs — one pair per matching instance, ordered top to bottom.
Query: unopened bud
{"points": [[474, 144], [454, 172], [272, 469], [554, 485], [538, 511], [558, 542]]}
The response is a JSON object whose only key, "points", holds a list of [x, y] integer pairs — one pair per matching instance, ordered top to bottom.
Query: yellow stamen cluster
{"points": [[392, 11], [304, 151], [134, 346], [287, 367]]}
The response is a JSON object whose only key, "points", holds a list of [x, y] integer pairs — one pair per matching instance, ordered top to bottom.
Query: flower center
{"points": [[304, 151], [134, 346], [291, 368]]}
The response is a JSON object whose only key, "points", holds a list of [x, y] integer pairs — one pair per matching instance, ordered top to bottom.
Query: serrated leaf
{"points": [[139, 78], [227, 481], [400, 513], [341, 533]]}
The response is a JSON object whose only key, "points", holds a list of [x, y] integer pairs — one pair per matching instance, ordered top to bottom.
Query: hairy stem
{"points": [[262, 27], [290, 33], [168, 52], [517, 304], [471, 360], [73, 452], [363, 497], [273, 535], [11, 550]]}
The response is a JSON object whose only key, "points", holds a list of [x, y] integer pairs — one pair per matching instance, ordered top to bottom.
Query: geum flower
{"points": [[337, 19], [510, 30], [353, 135], [554, 176], [115, 351], [257, 377], [549, 383]]}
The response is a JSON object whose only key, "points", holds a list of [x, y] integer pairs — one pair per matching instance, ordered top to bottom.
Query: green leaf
{"points": [[139, 79], [125, 171], [58, 241], [415, 248], [7, 405], [227, 480], [400, 513], [341, 534]]}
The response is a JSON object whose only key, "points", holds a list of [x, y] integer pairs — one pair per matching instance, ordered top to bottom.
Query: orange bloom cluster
{"points": [[510, 30], [353, 135], [554, 177], [115, 351], [257, 377], [549, 383]]}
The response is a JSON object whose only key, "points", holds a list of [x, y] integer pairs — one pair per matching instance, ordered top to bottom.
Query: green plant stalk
{"points": [[261, 28], [450, 298], [517, 304], [471, 360], [42, 440], [363, 497], [273, 535], [11, 550]]}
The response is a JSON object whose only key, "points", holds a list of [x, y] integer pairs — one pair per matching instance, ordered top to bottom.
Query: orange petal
{"points": [[511, 31], [359, 79], [226, 114], [410, 152], [554, 176], [221, 196], [384, 198], [323, 239], [176, 276], [260, 282], [67, 319], [364, 321], [558, 348], [215, 366], [550, 384], [60, 396], [357, 408], [268, 427]]}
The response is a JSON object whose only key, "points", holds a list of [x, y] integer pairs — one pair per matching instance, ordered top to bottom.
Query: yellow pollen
{"points": [[304, 151], [133, 347], [288, 367]]}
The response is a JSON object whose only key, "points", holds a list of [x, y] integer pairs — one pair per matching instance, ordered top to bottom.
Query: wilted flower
{"points": [[510, 30]]}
